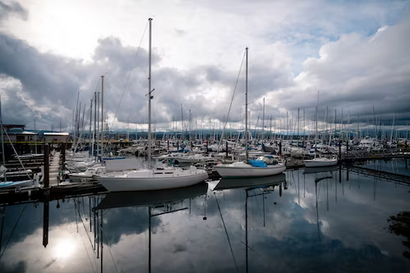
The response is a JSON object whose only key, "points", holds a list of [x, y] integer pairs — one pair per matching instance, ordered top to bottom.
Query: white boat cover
{"points": [[122, 165]]}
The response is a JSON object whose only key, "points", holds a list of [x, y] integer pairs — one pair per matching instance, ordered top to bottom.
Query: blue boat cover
{"points": [[258, 163]]}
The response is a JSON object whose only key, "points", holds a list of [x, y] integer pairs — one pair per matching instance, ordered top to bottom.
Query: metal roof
{"points": [[56, 134]]}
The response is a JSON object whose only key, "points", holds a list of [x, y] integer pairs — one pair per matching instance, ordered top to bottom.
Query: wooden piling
{"points": [[280, 148], [340, 151], [63, 156], [46, 166], [340, 173], [46, 212]]}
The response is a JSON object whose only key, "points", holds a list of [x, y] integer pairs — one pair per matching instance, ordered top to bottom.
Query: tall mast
{"points": [[149, 93], [317, 105], [246, 108], [102, 118], [263, 120], [95, 122], [98, 124], [375, 126], [35, 136], [90, 137], [2, 140]]}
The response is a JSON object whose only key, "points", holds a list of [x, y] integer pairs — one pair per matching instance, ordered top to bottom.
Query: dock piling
{"points": [[46, 166]]}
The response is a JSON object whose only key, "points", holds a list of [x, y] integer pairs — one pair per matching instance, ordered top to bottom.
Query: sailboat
{"points": [[319, 161], [262, 166], [152, 179]]}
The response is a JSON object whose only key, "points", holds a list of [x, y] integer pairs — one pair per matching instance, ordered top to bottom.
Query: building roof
{"points": [[14, 125], [21, 133], [56, 134]]}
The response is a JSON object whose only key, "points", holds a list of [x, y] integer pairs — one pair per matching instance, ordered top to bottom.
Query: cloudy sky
{"points": [[356, 55]]}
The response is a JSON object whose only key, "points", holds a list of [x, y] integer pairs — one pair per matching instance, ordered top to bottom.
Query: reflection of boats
{"points": [[320, 169], [317, 180], [231, 183], [253, 187], [127, 199]]}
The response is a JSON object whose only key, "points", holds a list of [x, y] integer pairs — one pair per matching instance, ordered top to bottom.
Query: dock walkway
{"points": [[54, 169]]}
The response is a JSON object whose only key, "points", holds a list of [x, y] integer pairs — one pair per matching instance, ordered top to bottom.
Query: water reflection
{"points": [[252, 187], [157, 203], [310, 220]]}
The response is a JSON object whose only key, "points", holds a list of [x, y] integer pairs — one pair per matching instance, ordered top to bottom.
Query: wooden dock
{"points": [[54, 169]]}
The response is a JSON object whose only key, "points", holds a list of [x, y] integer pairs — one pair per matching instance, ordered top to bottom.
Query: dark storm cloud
{"points": [[13, 8], [355, 73], [46, 83], [45, 86], [126, 221]]}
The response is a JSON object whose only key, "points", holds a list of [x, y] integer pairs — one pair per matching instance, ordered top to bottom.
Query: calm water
{"points": [[305, 222]]}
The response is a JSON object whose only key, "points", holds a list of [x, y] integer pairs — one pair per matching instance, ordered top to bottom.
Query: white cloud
{"points": [[355, 54]]}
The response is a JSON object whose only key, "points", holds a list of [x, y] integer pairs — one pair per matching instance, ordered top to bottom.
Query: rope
{"points": [[129, 75], [230, 105], [16, 154], [85, 228], [226, 232], [5, 247], [112, 257], [89, 258]]}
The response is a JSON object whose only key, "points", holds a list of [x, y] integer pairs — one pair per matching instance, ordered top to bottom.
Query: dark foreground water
{"points": [[300, 222]]}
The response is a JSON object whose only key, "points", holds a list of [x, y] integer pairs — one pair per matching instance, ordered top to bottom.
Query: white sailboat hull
{"points": [[320, 162], [232, 171], [146, 180]]}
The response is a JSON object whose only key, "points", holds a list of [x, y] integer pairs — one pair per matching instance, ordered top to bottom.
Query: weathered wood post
{"points": [[347, 146], [280, 148], [340, 151], [63, 156], [46, 166], [340, 173], [46, 212]]}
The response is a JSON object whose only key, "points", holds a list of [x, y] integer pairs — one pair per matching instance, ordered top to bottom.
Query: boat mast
{"points": [[149, 93], [317, 105], [246, 108], [102, 118], [263, 120], [95, 124], [89, 135], [35, 136], [2, 140]]}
